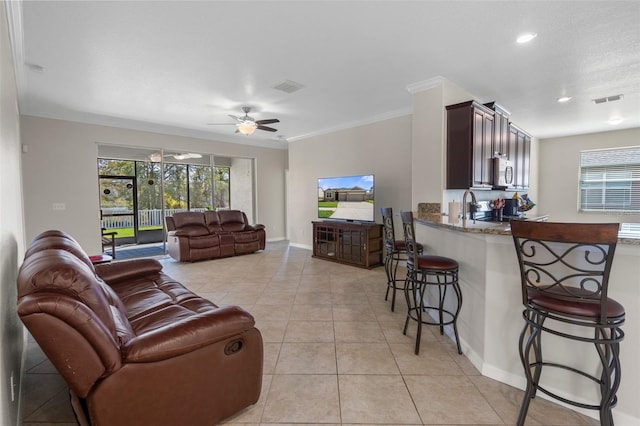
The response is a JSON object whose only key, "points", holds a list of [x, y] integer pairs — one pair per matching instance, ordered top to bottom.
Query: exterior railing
{"points": [[146, 218]]}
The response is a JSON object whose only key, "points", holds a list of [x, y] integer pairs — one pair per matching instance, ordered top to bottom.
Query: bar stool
{"points": [[395, 252], [564, 271], [426, 272]]}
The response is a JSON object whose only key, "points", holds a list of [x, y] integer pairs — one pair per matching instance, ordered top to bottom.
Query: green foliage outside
{"points": [[186, 186], [190, 186], [332, 204], [324, 214], [128, 232]]}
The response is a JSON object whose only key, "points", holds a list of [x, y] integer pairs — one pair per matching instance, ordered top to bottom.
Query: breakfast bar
{"points": [[491, 320]]}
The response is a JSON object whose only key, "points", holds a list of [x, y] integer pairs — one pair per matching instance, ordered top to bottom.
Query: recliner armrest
{"points": [[254, 227], [190, 232], [115, 272], [187, 334]]}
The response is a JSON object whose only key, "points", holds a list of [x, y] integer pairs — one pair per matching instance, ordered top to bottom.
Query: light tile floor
{"points": [[334, 353]]}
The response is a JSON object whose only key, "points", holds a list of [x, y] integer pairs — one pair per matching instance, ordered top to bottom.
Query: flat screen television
{"points": [[349, 198]]}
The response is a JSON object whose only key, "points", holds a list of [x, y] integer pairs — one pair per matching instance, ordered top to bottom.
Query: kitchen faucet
{"points": [[474, 203]]}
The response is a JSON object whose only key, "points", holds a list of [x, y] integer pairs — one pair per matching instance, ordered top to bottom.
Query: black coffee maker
{"points": [[511, 207]]}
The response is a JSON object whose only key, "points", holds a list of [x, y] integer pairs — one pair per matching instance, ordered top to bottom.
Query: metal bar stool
{"points": [[395, 252], [564, 271], [424, 272]]}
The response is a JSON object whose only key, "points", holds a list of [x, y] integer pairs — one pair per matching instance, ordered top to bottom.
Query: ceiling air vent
{"points": [[288, 86], [607, 99]]}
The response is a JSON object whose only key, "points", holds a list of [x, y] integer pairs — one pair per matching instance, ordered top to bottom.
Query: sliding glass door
{"points": [[144, 185], [118, 207], [150, 226]]}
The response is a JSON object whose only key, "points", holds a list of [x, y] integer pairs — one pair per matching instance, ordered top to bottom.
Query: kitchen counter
{"points": [[492, 228], [490, 321]]}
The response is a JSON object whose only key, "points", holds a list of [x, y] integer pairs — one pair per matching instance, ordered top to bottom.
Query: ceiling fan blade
{"points": [[236, 117], [269, 121], [268, 129]]}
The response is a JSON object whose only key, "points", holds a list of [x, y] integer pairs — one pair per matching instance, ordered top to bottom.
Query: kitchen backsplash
{"points": [[429, 208]]}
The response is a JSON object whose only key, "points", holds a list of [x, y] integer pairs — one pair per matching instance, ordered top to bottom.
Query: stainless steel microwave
{"points": [[502, 172]]}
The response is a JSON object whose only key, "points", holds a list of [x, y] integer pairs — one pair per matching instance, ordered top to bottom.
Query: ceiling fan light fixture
{"points": [[526, 38], [247, 127], [187, 156], [156, 157]]}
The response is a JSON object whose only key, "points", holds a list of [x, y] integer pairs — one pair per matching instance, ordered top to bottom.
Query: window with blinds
{"points": [[610, 180]]}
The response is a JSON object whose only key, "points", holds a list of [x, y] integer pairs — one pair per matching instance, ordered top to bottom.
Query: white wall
{"points": [[429, 139], [382, 148], [428, 148], [559, 159], [60, 167], [242, 180], [11, 232]]}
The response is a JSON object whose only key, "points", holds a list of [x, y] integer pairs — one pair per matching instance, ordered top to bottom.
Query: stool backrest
{"points": [[389, 232], [411, 246], [567, 262]]}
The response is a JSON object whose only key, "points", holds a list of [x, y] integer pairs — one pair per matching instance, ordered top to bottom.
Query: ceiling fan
{"points": [[247, 125], [156, 157]]}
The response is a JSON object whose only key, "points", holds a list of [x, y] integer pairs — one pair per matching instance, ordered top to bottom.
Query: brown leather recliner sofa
{"points": [[207, 235], [134, 346]]}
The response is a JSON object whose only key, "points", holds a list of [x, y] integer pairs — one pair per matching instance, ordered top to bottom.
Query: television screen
{"points": [[346, 198]]}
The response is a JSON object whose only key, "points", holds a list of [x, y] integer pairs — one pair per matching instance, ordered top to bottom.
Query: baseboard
{"points": [[273, 240], [302, 246], [519, 382], [621, 419]]}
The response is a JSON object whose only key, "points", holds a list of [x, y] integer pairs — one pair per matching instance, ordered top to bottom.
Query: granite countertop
{"points": [[441, 221], [492, 228]]}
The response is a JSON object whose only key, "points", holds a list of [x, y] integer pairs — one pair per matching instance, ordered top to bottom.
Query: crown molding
{"points": [[16, 38], [352, 124], [163, 129]]}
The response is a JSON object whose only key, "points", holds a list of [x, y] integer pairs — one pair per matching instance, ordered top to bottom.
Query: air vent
{"points": [[288, 86], [608, 99]]}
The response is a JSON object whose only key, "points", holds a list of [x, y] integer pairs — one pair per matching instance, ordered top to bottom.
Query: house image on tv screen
{"points": [[346, 194], [349, 198]]}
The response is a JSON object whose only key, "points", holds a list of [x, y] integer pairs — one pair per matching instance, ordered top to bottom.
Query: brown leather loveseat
{"points": [[207, 235], [134, 346]]}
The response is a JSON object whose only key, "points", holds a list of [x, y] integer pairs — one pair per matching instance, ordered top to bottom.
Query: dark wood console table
{"points": [[351, 243]]}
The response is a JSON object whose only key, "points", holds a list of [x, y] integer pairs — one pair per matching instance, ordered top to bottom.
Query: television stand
{"points": [[350, 243]]}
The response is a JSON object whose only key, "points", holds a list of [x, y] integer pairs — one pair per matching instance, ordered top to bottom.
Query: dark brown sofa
{"points": [[207, 235], [134, 346]]}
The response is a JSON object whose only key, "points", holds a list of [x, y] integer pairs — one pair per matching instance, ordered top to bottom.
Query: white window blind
{"points": [[610, 180]]}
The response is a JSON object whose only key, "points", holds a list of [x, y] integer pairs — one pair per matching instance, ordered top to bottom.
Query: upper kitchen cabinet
{"points": [[500, 130], [470, 134], [520, 156]]}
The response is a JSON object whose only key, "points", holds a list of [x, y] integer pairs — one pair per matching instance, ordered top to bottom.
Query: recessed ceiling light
{"points": [[526, 37], [564, 99], [615, 120]]}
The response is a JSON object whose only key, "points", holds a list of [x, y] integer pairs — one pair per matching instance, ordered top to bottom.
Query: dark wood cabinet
{"points": [[500, 130], [478, 133], [470, 134], [520, 156], [357, 244]]}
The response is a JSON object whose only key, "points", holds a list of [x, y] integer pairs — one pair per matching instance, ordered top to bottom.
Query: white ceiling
{"points": [[174, 66]]}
